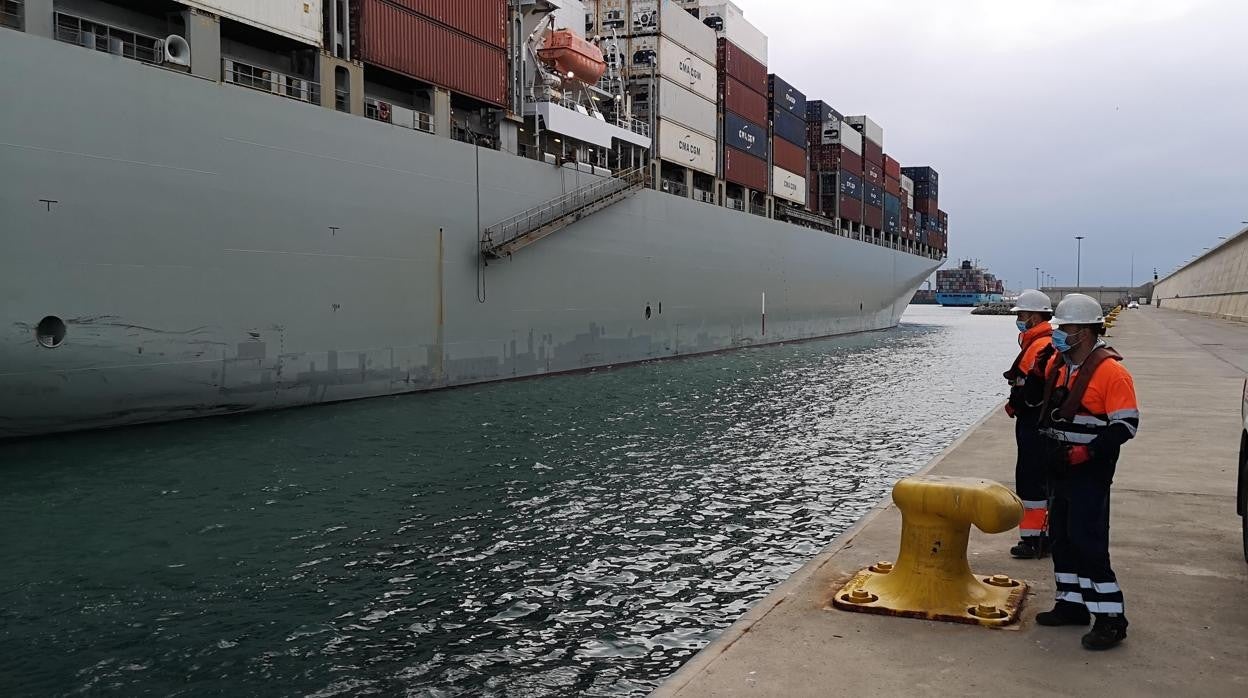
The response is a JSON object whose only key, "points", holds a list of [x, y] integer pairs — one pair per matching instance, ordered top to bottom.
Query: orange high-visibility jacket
{"points": [[1108, 413]]}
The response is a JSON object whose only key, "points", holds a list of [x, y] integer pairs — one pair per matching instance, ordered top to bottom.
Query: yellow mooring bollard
{"points": [[931, 578]]}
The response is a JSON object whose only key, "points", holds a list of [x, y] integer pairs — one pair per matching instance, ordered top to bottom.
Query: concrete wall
{"points": [[1215, 284], [1107, 295]]}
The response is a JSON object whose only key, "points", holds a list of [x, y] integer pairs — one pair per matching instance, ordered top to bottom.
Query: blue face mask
{"points": [[1022, 326], [1060, 341]]}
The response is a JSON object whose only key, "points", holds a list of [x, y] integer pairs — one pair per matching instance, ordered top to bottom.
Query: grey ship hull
{"points": [[213, 249]]}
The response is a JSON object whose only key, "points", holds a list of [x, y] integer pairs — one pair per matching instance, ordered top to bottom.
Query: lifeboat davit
{"points": [[569, 53]]}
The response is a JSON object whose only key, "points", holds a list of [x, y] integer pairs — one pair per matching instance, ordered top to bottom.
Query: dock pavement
{"points": [[1175, 544]]}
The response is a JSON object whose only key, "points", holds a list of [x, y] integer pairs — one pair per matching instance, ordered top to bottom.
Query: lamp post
{"points": [[1079, 262], [1037, 277]]}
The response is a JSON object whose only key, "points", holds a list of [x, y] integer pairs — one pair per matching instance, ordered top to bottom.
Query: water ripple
{"points": [[578, 535]]}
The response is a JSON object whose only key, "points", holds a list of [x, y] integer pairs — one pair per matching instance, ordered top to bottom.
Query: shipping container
{"points": [[608, 17], [482, 19], [300, 21], [728, 21], [685, 29], [396, 39], [674, 62], [736, 63], [782, 94], [744, 101], [686, 108], [819, 111], [788, 127], [868, 128], [825, 133], [745, 135], [845, 136], [684, 146], [872, 152], [790, 157], [834, 157], [892, 168], [745, 169], [873, 172], [921, 174], [907, 184], [788, 185], [851, 185], [892, 186], [823, 189], [926, 190], [872, 195], [892, 205], [926, 206], [851, 208], [872, 216], [942, 221], [892, 223]]}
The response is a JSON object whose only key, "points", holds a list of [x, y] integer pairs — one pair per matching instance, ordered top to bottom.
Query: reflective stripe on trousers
{"points": [[1079, 534]]}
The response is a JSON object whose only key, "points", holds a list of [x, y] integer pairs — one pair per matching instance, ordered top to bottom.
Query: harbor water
{"points": [[574, 535]]}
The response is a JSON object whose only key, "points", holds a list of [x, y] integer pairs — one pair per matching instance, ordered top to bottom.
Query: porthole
{"points": [[50, 332]]}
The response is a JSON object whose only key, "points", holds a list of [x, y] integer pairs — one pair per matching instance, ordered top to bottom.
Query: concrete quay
{"points": [[1175, 547]]}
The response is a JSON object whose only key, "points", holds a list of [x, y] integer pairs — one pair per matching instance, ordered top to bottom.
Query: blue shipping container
{"points": [[783, 95], [819, 112], [789, 127], [745, 135], [921, 174], [851, 185], [873, 195], [892, 206], [892, 222]]}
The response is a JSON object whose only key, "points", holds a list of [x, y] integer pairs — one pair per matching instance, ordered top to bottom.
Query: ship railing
{"points": [[11, 13], [106, 38], [263, 79], [403, 117], [675, 188], [735, 204], [758, 209], [538, 216], [801, 216]]}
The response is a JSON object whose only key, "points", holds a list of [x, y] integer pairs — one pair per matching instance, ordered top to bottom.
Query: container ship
{"points": [[221, 206], [968, 285]]}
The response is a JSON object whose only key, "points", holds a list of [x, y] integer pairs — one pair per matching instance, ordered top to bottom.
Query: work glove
{"points": [[1078, 455]]}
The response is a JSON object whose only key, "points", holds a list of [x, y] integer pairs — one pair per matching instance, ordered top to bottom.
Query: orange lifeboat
{"points": [[569, 53]]}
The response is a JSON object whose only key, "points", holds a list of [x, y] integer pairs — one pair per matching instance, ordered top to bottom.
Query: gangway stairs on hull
{"points": [[523, 229]]}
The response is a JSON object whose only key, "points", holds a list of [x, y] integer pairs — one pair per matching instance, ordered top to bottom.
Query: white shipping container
{"points": [[570, 14], [612, 16], [643, 17], [296, 19], [685, 29], [737, 29], [674, 62], [686, 108], [873, 131], [849, 138], [687, 147], [788, 185], [907, 185]]}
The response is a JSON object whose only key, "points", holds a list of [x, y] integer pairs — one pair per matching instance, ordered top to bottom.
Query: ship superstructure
{"points": [[225, 206]]}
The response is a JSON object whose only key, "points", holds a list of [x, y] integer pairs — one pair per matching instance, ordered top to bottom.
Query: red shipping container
{"points": [[483, 19], [396, 39], [742, 66], [742, 100], [872, 153], [788, 156], [834, 157], [892, 168], [745, 169], [874, 173], [892, 185], [926, 206], [851, 209], [873, 217], [907, 229]]}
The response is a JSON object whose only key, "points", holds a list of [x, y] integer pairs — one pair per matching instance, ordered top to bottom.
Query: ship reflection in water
{"points": [[580, 534]]}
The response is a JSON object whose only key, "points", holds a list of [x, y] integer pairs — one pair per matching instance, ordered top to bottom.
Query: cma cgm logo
{"points": [[687, 68], [746, 136], [691, 148], [790, 185]]}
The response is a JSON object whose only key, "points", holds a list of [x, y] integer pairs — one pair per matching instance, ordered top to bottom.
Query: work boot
{"points": [[1030, 549], [1065, 613], [1107, 632]]}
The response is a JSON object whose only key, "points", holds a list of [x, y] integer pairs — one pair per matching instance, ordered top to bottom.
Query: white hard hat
{"points": [[1033, 301], [1078, 309]]}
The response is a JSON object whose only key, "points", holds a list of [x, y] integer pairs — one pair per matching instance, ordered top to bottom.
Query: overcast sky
{"points": [[1122, 120]]}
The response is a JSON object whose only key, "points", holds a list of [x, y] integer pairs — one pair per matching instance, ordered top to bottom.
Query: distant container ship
{"points": [[967, 286]]}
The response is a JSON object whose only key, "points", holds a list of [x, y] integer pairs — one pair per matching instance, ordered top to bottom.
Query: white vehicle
{"points": [[1132, 305]]}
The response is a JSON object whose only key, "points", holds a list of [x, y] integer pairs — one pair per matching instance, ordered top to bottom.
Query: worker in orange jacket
{"points": [[1034, 310], [1088, 412]]}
